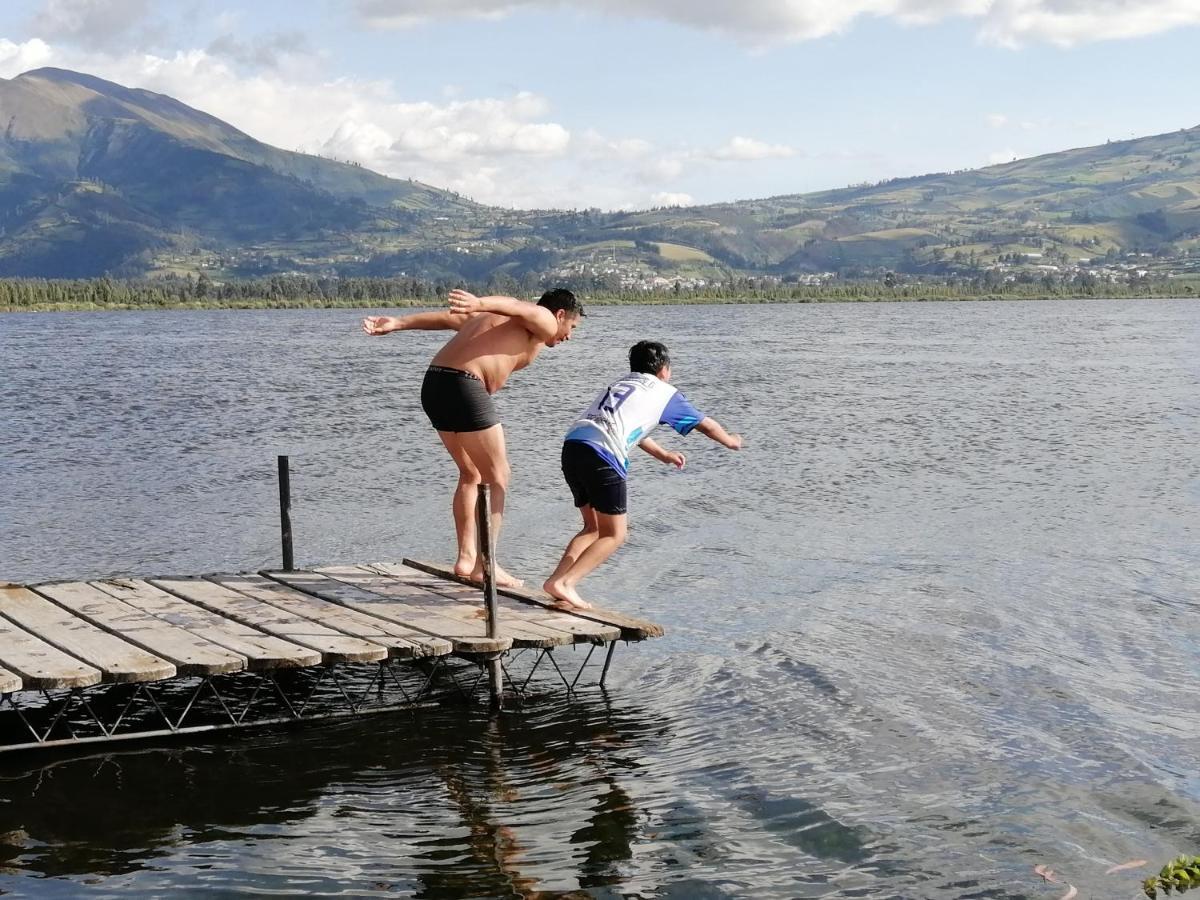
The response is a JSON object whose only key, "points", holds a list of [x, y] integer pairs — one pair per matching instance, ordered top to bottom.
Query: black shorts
{"points": [[456, 400], [593, 481]]}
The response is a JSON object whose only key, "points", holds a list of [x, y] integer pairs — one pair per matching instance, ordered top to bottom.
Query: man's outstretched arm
{"points": [[537, 320], [426, 321], [711, 428]]}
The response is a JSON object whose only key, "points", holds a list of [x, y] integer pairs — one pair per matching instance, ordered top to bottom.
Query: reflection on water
{"points": [[935, 626], [430, 805]]}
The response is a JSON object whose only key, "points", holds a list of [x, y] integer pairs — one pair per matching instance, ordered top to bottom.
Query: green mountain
{"points": [[97, 178], [1139, 195]]}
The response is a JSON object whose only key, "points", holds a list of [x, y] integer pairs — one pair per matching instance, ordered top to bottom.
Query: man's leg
{"points": [[487, 453], [463, 505], [612, 531], [580, 542]]}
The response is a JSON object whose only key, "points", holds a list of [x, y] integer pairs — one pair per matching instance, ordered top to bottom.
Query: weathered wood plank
{"points": [[465, 609], [632, 628], [580, 630], [467, 637], [401, 642], [333, 646], [262, 651], [189, 653], [118, 660], [39, 664], [9, 682]]}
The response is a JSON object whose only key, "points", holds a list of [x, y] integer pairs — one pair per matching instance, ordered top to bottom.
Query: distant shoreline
{"points": [[913, 294]]}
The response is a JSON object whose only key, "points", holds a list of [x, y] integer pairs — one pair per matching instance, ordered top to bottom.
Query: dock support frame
{"points": [[45, 719]]}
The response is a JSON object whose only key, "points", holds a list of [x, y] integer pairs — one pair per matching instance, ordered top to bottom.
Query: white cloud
{"points": [[766, 22], [1070, 22], [93, 23], [269, 51], [18, 58], [997, 120], [596, 145], [744, 148], [506, 151], [664, 168], [668, 198]]}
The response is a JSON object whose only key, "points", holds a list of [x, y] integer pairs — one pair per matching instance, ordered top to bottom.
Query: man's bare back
{"points": [[491, 347]]}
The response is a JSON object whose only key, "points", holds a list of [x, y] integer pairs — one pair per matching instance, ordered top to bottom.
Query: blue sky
{"points": [[634, 103]]}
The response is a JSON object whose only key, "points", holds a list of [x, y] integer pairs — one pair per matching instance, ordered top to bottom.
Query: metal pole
{"points": [[285, 514], [487, 550], [607, 662]]}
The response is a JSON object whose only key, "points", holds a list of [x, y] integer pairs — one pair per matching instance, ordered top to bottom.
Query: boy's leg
{"points": [[486, 451], [463, 506], [612, 530], [580, 542]]}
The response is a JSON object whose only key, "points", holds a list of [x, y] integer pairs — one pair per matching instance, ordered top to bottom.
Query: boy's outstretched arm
{"points": [[537, 320], [426, 321], [711, 428], [662, 455]]}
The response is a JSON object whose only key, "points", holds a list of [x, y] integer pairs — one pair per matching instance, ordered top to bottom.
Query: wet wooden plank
{"points": [[468, 609], [632, 628], [580, 630], [467, 637], [400, 642], [333, 646], [261, 650], [189, 653], [118, 660], [40, 665], [9, 682]]}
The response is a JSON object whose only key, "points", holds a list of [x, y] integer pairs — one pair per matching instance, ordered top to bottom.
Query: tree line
{"points": [[295, 291]]}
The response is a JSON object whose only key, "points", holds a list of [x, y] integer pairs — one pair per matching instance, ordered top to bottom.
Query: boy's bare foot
{"points": [[503, 578], [564, 596]]}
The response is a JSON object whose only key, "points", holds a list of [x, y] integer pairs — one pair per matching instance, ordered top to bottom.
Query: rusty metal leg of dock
{"points": [[607, 662]]}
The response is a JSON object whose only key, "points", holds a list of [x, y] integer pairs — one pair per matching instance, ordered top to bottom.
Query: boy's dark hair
{"points": [[561, 298], [648, 357]]}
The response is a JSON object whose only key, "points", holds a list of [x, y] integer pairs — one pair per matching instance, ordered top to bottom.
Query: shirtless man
{"points": [[496, 336]]}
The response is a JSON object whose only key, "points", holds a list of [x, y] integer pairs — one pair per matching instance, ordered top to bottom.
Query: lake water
{"points": [[937, 624]]}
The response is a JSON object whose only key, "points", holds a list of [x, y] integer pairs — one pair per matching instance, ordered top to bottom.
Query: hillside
{"points": [[97, 178], [1138, 195]]}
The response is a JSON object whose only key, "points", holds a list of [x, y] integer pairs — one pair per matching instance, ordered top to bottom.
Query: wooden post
{"points": [[285, 514], [487, 551]]}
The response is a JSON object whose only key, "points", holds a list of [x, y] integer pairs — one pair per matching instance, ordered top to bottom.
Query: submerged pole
{"points": [[285, 514], [487, 551]]}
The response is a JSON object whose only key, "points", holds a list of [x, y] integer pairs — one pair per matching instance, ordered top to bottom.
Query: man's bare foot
{"points": [[464, 566], [503, 578], [564, 596]]}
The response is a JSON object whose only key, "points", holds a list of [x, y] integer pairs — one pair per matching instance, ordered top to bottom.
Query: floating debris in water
{"points": [[1132, 864]]}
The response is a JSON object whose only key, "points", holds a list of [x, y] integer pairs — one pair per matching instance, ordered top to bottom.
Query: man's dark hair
{"points": [[561, 298], [648, 357]]}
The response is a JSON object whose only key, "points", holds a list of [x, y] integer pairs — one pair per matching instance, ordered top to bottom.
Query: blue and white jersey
{"points": [[628, 410]]}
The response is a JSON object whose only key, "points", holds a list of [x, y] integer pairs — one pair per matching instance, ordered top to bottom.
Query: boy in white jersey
{"points": [[595, 459]]}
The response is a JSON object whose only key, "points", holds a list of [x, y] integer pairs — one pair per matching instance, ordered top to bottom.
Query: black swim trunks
{"points": [[456, 400], [592, 480]]}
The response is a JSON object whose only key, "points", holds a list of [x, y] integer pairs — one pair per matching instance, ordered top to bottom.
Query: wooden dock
{"points": [[90, 661]]}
